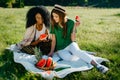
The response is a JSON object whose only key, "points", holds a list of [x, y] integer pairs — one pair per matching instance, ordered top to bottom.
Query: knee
{"points": [[74, 46]]}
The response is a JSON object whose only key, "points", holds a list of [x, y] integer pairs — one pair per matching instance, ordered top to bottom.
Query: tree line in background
{"points": [[91, 3]]}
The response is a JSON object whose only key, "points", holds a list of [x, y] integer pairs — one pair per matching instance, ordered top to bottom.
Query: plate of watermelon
{"points": [[45, 64]]}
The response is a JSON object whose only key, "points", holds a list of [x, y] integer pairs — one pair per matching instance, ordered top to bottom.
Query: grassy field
{"points": [[99, 32]]}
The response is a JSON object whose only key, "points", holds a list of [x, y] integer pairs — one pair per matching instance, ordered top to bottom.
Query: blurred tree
{"points": [[36, 2], [81, 2], [2, 3], [6, 3], [12, 3], [18, 3], [93, 3], [98, 3], [114, 3]]}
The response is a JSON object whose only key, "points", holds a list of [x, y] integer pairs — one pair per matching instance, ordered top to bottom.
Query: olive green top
{"points": [[61, 41]]}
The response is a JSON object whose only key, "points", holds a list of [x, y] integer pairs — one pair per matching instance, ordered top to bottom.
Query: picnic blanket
{"points": [[62, 69]]}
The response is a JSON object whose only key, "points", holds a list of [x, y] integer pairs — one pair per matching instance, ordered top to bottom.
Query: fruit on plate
{"points": [[43, 36], [49, 62], [41, 63]]}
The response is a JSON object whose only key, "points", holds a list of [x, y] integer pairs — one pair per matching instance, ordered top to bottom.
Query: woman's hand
{"points": [[77, 19], [77, 23], [43, 37], [35, 43], [52, 45], [50, 54]]}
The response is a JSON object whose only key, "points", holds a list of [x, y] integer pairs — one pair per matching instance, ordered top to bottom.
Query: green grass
{"points": [[99, 32]]}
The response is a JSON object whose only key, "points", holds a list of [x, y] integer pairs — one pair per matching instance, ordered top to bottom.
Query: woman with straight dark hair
{"points": [[63, 39]]}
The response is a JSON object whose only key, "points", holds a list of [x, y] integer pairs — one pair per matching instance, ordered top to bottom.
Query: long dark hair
{"points": [[30, 16], [62, 20]]}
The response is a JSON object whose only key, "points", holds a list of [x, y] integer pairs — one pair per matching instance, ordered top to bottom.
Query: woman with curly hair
{"points": [[38, 22]]}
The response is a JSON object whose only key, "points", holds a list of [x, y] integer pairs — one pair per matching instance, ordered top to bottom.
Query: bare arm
{"points": [[74, 31], [73, 34], [38, 40], [35, 42], [52, 45]]}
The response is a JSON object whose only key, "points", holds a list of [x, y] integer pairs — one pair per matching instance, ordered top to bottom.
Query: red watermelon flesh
{"points": [[77, 18], [43, 36], [49, 62], [41, 63]]}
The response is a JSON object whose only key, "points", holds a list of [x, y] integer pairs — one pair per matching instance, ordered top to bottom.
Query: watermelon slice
{"points": [[77, 18], [43, 36], [49, 62], [41, 63]]}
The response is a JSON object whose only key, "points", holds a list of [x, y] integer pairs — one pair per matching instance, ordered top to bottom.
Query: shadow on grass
{"points": [[118, 15], [9, 69], [14, 71]]}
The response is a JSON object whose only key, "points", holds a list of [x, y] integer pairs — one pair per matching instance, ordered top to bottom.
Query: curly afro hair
{"points": [[30, 16]]}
